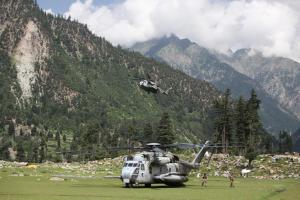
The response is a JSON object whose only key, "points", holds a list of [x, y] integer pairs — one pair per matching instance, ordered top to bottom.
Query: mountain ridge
{"points": [[203, 64], [279, 76]]}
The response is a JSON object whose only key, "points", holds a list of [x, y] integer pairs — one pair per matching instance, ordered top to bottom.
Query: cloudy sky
{"points": [[271, 26]]}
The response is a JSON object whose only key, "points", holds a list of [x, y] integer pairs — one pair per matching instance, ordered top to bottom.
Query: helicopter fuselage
{"points": [[148, 86], [158, 166], [145, 169]]}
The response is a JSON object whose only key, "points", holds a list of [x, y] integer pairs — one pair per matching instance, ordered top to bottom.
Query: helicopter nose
{"points": [[126, 173]]}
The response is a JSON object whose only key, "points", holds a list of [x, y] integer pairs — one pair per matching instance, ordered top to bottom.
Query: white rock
{"points": [[56, 179]]}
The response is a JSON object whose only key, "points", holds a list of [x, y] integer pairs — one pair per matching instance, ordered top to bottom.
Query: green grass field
{"points": [[40, 187]]}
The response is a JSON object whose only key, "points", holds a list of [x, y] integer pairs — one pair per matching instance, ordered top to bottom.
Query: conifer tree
{"points": [[224, 120], [240, 121], [254, 122], [254, 127], [11, 129], [148, 133], [165, 134], [57, 138], [64, 138], [90, 140], [285, 142], [43, 150], [35, 151], [20, 152], [42, 154]]}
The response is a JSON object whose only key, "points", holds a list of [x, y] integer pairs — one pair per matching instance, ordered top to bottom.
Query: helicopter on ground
{"points": [[151, 86], [154, 165]]}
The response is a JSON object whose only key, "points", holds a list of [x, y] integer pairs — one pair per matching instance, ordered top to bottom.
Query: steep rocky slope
{"points": [[202, 64], [280, 77]]}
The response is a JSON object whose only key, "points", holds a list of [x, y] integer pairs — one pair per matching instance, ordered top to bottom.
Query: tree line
{"points": [[238, 124], [92, 141]]}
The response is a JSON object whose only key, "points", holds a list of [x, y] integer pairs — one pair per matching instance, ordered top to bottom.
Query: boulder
{"points": [[56, 179]]}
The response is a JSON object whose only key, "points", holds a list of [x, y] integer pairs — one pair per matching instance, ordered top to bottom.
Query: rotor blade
{"points": [[182, 145], [191, 146], [227, 146], [126, 148]]}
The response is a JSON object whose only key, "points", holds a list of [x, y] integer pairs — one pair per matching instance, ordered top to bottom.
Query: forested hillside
{"points": [[63, 88]]}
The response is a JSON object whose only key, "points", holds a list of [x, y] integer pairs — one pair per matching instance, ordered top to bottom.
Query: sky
{"points": [[61, 6], [270, 26]]}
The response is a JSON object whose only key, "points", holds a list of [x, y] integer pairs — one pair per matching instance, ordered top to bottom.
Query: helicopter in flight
{"points": [[149, 85], [152, 87], [155, 165]]}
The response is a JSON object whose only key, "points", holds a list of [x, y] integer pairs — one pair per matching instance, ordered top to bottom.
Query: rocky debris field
{"points": [[264, 167]]}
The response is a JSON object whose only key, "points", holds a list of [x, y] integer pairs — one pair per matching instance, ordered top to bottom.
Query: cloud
{"points": [[49, 11], [271, 26]]}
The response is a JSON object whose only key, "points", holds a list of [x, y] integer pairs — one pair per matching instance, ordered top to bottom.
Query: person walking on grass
{"points": [[204, 180]]}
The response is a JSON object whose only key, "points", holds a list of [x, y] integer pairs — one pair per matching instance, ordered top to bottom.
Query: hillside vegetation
{"points": [[61, 82]]}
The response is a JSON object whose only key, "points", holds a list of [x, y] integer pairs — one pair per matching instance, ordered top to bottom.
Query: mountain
{"points": [[200, 63], [58, 76], [280, 77]]}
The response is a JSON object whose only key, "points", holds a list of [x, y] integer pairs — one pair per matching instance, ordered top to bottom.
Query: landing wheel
{"points": [[127, 185], [148, 185]]}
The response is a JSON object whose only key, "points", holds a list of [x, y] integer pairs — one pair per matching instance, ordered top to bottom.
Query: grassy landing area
{"points": [[41, 187]]}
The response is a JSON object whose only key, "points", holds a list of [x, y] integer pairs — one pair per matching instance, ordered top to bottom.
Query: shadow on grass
{"points": [[120, 186]]}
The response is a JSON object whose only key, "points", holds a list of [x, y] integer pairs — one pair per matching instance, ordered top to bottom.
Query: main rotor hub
{"points": [[152, 145]]}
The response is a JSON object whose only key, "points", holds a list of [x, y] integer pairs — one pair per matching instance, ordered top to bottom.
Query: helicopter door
{"points": [[142, 170], [144, 175]]}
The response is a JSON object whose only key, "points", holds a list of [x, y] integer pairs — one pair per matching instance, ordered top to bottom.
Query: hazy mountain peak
{"points": [[204, 64]]}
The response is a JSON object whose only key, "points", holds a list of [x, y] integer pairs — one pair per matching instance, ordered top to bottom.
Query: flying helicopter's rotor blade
{"points": [[148, 76]]}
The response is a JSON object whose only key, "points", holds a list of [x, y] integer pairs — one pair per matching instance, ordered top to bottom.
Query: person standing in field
{"points": [[231, 179], [204, 180]]}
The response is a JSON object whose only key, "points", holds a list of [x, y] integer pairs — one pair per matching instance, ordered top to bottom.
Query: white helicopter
{"points": [[151, 86], [155, 165]]}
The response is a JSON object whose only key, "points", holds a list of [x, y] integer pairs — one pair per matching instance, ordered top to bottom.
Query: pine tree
{"points": [[223, 110], [240, 121], [254, 122], [254, 127], [11, 129], [33, 131], [148, 133], [165, 134], [57, 138], [64, 138], [90, 140], [285, 142], [43, 150], [35, 151], [20, 152], [4, 153]]}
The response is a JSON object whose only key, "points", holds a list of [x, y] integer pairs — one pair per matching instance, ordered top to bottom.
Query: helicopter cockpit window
{"points": [[130, 164], [125, 165], [135, 165], [142, 167]]}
